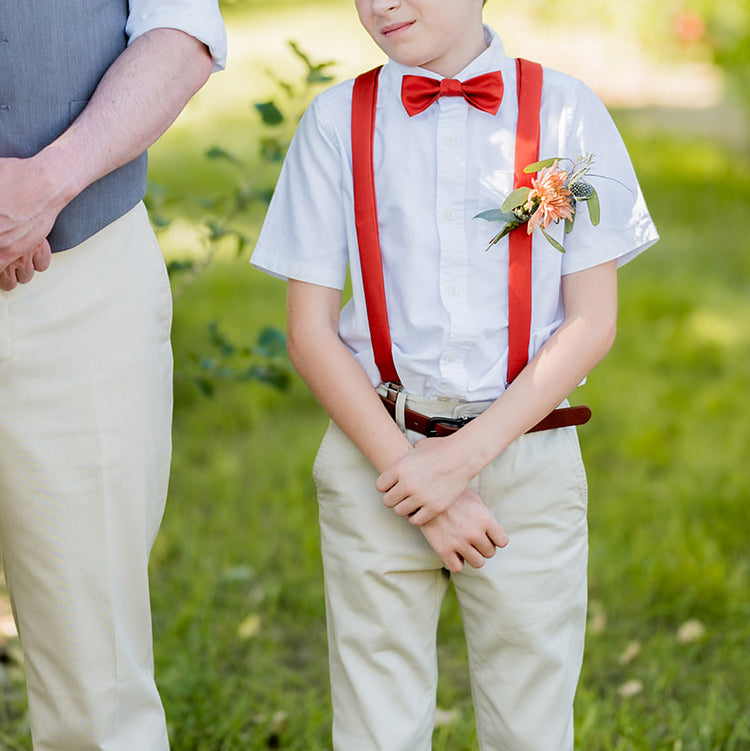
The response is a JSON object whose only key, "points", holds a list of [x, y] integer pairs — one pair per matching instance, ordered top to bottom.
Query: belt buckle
{"points": [[430, 430]]}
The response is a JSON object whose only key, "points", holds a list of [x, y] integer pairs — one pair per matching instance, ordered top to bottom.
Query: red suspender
{"points": [[529, 87], [364, 100]]}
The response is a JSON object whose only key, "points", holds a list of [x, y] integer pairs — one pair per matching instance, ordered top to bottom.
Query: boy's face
{"points": [[440, 35]]}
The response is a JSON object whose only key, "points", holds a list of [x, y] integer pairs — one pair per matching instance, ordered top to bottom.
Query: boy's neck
{"points": [[454, 61]]}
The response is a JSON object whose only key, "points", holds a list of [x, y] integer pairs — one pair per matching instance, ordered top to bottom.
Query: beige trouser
{"points": [[85, 421], [523, 612]]}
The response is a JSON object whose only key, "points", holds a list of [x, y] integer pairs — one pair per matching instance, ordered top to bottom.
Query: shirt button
{"points": [[450, 140], [449, 213], [453, 290]]}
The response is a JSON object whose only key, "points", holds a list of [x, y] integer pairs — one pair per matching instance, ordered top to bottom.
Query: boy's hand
{"points": [[426, 481], [466, 532]]}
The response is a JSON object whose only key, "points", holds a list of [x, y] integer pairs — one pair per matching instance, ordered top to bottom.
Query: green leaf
{"points": [[300, 54], [315, 72], [316, 75], [270, 113], [272, 149], [216, 152], [536, 166], [155, 190], [263, 195], [516, 198], [207, 203], [594, 209], [495, 215], [159, 221], [569, 226], [216, 230], [503, 232], [242, 242], [553, 242], [177, 266], [271, 343], [207, 363], [270, 376], [205, 386]]}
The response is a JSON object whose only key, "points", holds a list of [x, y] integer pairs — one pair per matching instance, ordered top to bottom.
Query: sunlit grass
{"points": [[668, 514]]}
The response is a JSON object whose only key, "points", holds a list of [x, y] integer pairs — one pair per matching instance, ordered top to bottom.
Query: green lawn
{"points": [[236, 573], [236, 576], [237, 580]]}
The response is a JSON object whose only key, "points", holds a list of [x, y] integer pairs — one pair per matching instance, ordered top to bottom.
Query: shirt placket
{"points": [[453, 267]]}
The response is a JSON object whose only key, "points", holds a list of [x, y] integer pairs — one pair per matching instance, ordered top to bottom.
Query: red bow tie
{"points": [[484, 92]]}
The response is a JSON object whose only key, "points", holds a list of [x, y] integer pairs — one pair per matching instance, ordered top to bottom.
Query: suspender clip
{"points": [[392, 389]]}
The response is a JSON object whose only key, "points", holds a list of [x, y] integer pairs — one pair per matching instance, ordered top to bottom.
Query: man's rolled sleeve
{"points": [[198, 18]]}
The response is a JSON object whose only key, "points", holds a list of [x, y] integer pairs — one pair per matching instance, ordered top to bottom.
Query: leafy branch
{"points": [[265, 360]]}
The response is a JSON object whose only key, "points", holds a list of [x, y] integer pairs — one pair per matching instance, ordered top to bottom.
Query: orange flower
{"points": [[690, 27], [551, 197]]}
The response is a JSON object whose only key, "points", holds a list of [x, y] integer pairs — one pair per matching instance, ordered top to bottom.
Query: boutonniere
{"points": [[553, 196]]}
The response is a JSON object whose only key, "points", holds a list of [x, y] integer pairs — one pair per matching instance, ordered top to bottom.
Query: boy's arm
{"points": [[426, 481], [468, 531]]}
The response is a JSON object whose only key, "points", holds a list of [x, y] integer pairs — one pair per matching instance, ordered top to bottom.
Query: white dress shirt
{"points": [[198, 18], [447, 297]]}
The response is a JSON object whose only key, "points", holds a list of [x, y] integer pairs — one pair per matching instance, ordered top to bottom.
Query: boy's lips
{"points": [[394, 29]]}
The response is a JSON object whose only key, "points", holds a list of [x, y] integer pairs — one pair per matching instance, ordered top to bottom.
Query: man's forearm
{"points": [[136, 100]]}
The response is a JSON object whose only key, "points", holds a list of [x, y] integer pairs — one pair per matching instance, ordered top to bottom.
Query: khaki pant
{"points": [[85, 421], [523, 612]]}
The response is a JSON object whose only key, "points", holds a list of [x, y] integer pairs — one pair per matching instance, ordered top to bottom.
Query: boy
{"points": [[397, 508]]}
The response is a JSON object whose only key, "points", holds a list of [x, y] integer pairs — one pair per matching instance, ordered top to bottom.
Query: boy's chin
{"points": [[411, 61]]}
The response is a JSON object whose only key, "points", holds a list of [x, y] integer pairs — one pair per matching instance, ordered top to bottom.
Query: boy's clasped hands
{"points": [[430, 486]]}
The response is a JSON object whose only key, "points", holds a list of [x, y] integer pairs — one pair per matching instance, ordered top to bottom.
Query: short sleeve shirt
{"points": [[198, 18], [434, 172]]}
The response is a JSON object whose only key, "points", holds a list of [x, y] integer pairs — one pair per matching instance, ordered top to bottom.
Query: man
{"points": [[85, 359]]}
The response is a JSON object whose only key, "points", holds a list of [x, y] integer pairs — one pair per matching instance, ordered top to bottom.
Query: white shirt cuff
{"points": [[200, 19]]}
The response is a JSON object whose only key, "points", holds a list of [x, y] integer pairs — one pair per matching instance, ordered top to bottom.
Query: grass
{"points": [[236, 574], [236, 577]]}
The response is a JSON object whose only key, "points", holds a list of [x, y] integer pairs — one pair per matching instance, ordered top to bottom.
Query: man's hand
{"points": [[136, 100], [31, 197], [22, 269], [427, 480], [466, 532]]}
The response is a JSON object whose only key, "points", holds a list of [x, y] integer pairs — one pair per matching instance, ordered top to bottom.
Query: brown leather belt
{"points": [[442, 426]]}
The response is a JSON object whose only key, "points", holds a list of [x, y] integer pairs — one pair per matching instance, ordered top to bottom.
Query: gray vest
{"points": [[52, 55]]}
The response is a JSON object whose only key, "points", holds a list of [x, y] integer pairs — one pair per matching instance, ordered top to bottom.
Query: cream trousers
{"points": [[85, 441], [523, 612]]}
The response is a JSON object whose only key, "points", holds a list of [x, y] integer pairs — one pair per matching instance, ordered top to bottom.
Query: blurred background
{"points": [[236, 578]]}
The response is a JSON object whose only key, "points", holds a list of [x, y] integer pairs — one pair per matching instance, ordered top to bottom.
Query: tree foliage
{"points": [[224, 224]]}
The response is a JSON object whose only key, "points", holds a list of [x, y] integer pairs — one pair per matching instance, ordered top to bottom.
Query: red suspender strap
{"points": [[529, 85], [364, 101]]}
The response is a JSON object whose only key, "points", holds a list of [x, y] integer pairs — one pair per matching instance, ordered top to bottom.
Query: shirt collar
{"points": [[492, 58]]}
